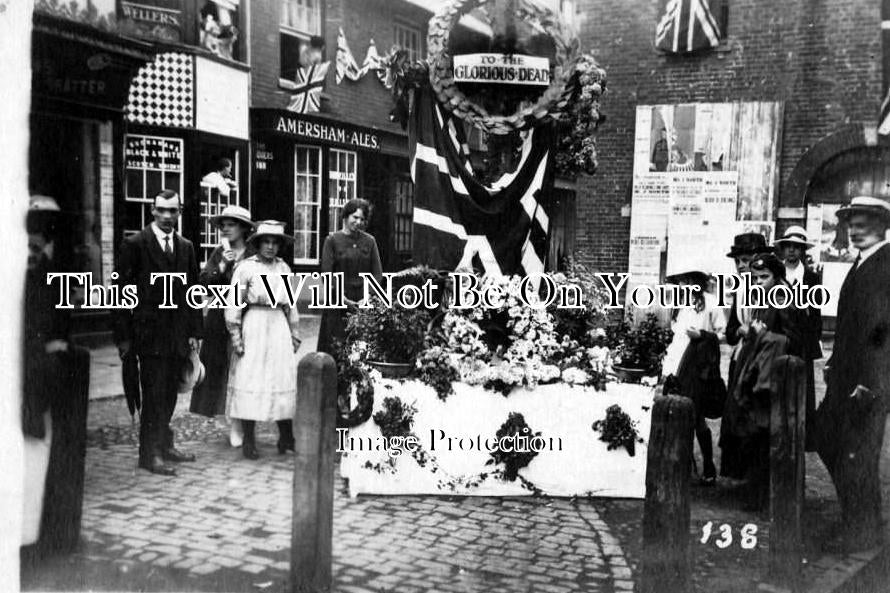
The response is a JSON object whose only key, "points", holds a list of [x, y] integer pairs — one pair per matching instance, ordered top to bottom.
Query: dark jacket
{"points": [[154, 331], [812, 346], [861, 353], [699, 375]]}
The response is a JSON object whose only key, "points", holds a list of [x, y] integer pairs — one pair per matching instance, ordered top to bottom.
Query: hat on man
{"points": [[43, 204], [865, 205], [236, 213], [270, 228], [795, 235], [749, 244], [695, 277], [192, 373]]}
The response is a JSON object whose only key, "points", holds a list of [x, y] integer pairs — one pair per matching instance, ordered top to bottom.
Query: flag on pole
{"points": [[687, 26], [374, 61], [346, 64], [307, 88], [498, 229]]}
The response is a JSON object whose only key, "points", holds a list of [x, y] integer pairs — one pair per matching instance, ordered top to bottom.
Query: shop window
{"points": [[300, 19], [408, 37], [153, 163], [341, 184], [217, 192], [307, 204], [403, 218]]}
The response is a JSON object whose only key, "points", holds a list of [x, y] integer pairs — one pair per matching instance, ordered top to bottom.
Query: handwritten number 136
{"points": [[747, 535]]}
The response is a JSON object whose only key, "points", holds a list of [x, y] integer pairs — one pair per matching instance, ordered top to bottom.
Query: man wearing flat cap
{"points": [[792, 249], [161, 338], [850, 421]]}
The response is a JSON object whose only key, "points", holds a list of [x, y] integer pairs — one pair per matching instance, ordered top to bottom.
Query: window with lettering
{"points": [[300, 19], [408, 37], [153, 163], [341, 184], [307, 204]]}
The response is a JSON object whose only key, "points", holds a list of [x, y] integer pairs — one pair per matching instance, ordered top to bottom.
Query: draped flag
{"points": [[687, 26], [374, 61], [346, 64], [307, 88], [884, 118], [501, 229]]}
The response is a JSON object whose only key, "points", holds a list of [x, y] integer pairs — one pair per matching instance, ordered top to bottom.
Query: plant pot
{"points": [[392, 370], [629, 374]]}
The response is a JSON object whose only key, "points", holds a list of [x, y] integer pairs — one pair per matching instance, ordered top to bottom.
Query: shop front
{"points": [[80, 81], [305, 168]]}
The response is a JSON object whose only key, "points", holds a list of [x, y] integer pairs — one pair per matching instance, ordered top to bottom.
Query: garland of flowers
{"points": [[550, 104], [351, 374], [618, 430]]}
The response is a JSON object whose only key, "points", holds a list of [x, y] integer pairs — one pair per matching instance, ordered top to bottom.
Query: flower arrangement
{"points": [[389, 334], [642, 347], [618, 430], [513, 461]]}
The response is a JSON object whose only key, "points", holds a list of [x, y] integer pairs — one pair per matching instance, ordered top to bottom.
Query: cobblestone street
{"points": [[224, 524]]}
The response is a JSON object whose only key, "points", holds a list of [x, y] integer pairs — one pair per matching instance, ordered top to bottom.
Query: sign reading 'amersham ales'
{"points": [[501, 68]]}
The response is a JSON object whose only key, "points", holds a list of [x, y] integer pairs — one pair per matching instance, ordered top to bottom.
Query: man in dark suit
{"points": [[792, 248], [161, 338], [850, 421]]}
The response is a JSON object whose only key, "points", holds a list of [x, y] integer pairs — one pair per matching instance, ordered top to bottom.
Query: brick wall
{"points": [[822, 57], [366, 102]]}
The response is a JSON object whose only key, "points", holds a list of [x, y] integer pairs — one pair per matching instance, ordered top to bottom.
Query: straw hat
{"points": [[43, 204], [865, 205], [234, 213], [270, 228], [795, 235], [192, 373]]}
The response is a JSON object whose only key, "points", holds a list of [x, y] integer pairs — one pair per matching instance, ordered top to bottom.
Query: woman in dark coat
{"points": [[349, 251], [209, 398], [744, 433]]}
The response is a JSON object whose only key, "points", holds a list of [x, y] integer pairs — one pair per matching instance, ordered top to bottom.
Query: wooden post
{"points": [[786, 459], [313, 512], [665, 562]]}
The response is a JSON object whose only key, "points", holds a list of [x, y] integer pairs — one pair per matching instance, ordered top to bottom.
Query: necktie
{"points": [[168, 250], [856, 263]]}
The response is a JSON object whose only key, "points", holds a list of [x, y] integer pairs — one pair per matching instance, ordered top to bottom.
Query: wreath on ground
{"points": [[552, 101], [352, 375], [618, 430]]}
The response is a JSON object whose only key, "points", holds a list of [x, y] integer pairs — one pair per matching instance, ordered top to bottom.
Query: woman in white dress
{"points": [[690, 326], [263, 372]]}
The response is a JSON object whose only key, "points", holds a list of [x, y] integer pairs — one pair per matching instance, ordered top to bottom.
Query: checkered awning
{"points": [[162, 93]]}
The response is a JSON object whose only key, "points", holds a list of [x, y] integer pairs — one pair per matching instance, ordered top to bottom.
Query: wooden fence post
{"points": [[786, 459], [313, 503], [665, 562]]}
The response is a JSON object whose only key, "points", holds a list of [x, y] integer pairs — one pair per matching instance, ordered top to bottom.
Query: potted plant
{"points": [[391, 337], [639, 350]]}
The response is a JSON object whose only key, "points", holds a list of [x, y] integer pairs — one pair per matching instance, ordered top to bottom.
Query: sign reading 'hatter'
{"points": [[500, 68]]}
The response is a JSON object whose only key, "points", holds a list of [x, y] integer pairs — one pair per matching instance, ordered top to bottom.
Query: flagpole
{"points": [[884, 117]]}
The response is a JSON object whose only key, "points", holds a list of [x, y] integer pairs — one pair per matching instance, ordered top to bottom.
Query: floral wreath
{"points": [[550, 104], [355, 376]]}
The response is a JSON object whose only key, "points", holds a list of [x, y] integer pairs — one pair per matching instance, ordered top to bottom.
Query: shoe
{"points": [[236, 434], [285, 446], [249, 450], [175, 455], [156, 465]]}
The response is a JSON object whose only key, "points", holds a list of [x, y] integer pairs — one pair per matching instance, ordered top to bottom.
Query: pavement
{"points": [[224, 524]]}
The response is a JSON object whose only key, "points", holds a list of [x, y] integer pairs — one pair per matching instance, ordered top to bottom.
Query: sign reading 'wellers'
{"points": [[500, 68]]}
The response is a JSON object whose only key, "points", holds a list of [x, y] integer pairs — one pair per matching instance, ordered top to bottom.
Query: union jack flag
{"points": [[687, 26], [307, 88], [884, 119]]}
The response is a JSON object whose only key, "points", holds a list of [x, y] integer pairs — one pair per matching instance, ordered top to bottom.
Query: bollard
{"points": [[786, 460], [313, 504], [665, 562]]}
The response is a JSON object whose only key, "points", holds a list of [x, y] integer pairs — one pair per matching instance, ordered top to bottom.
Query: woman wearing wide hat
{"points": [[263, 372], [209, 398]]}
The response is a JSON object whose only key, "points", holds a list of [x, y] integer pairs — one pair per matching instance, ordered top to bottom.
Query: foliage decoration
{"points": [[643, 346], [618, 430], [512, 460]]}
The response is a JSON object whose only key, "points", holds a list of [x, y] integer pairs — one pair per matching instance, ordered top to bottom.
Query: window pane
{"points": [[134, 183]]}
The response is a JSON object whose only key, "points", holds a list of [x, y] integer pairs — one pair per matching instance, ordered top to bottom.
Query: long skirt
{"points": [[331, 330], [263, 381], [209, 398]]}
